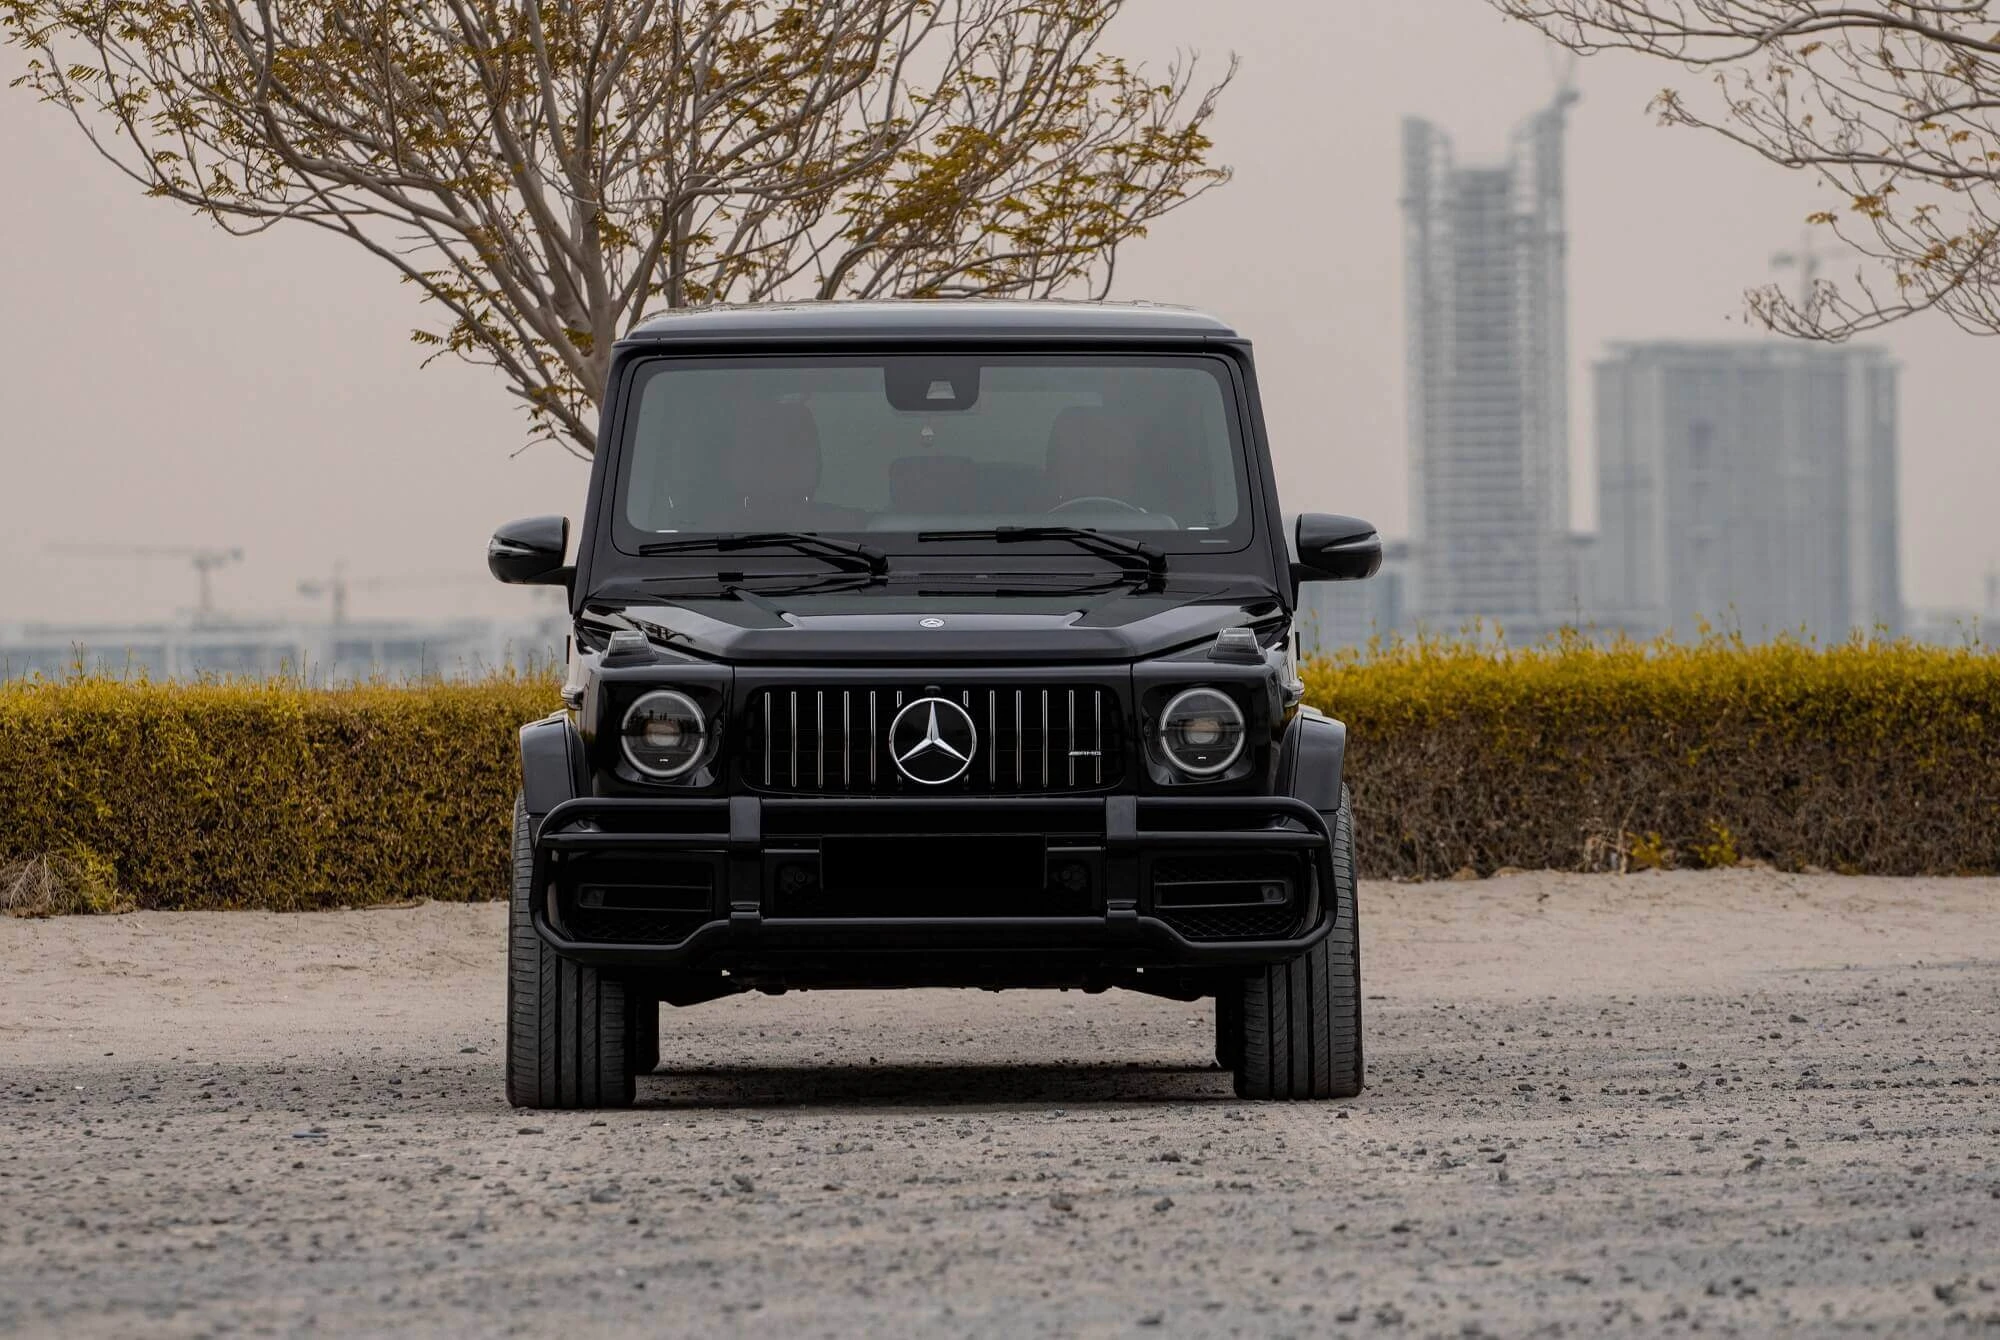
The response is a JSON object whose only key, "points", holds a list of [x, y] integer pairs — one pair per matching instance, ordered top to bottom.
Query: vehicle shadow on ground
{"points": [[940, 1085], [364, 1087]]}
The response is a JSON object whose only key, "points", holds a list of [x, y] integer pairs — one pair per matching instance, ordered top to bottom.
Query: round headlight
{"points": [[1201, 732], [665, 734]]}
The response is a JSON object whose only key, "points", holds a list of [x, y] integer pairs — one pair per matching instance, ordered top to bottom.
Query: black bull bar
{"points": [[737, 832]]}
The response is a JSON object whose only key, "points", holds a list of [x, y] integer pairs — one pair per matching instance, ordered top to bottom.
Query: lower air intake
{"points": [[1229, 897], [620, 900], [1233, 924]]}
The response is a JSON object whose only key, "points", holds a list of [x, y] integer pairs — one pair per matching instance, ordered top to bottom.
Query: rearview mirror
{"points": [[1336, 549], [530, 552]]}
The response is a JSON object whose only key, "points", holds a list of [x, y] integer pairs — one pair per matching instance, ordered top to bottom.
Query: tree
{"points": [[1893, 104], [544, 171]]}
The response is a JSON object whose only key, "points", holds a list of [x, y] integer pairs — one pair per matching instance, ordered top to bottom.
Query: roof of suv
{"points": [[1006, 319]]}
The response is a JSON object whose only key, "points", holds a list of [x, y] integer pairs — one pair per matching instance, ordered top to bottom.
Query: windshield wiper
{"points": [[1116, 547], [842, 553], [826, 583], [661, 586]]}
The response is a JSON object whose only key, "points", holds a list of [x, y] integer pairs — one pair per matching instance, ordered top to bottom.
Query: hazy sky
{"points": [[165, 383]]}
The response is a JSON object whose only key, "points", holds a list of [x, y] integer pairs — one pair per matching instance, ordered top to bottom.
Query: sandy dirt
{"points": [[1744, 1103]]}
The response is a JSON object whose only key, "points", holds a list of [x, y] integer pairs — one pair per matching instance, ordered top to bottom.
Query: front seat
{"points": [[1093, 453], [771, 471]]}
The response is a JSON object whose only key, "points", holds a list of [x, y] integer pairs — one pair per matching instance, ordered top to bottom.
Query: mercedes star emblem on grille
{"points": [[932, 622], [932, 741]]}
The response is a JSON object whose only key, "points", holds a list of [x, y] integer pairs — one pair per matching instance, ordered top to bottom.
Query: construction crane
{"points": [[1562, 66], [1806, 260], [205, 559], [338, 586]]}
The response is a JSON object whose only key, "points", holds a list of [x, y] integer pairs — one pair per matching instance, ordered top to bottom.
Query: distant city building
{"points": [[1488, 353], [1751, 486], [1582, 583], [1961, 626], [1949, 627], [353, 651]]}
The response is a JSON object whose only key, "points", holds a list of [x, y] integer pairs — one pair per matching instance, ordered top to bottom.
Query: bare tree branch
{"points": [[1893, 105], [544, 173]]}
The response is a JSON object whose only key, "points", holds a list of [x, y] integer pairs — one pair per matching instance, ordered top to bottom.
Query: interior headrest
{"points": [[1091, 451], [774, 452]]}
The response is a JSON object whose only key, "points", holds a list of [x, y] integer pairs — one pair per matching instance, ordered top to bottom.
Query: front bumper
{"points": [[734, 860]]}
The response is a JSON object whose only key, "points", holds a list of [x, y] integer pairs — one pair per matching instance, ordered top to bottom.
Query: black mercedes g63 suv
{"points": [[932, 644]]}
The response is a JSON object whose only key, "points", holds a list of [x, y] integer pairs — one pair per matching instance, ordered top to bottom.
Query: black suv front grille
{"points": [[1031, 740]]}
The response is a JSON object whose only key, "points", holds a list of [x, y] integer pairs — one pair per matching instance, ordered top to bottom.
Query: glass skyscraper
{"points": [[1488, 353]]}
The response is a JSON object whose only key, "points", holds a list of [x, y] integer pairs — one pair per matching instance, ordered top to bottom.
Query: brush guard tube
{"points": [[1116, 834]]}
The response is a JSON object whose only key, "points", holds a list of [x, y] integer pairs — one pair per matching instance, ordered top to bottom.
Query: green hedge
{"points": [[1861, 758], [1878, 758], [257, 794]]}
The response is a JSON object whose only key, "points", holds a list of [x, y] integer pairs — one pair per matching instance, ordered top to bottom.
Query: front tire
{"points": [[1299, 1023], [568, 1045]]}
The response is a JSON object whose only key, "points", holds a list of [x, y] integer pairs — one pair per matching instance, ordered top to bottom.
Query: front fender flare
{"points": [[1312, 758], [552, 764]]}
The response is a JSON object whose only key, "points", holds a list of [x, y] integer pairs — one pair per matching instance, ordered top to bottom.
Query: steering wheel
{"points": [[1068, 503]]}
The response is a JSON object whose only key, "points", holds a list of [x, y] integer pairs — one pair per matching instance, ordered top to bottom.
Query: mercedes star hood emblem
{"points": [[932, 741]]}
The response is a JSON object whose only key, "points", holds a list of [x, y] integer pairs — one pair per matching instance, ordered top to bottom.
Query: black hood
{"points": [[880, 626]]}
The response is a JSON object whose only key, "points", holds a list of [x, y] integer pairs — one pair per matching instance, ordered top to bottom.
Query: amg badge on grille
{"points": [[932, 741]]}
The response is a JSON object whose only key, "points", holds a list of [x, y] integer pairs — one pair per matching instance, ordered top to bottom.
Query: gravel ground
{"points": [[1744, 1103]]}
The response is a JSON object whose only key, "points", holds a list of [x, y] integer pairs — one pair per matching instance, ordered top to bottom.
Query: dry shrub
{"points": [[1871, 757], [49, 886]]}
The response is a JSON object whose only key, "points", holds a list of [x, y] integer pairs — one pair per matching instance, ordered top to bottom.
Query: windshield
{"points": [[892, 447]]}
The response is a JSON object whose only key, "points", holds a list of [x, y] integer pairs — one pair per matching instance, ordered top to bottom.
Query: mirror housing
{"points": [[1335, 549], [530, 552]]}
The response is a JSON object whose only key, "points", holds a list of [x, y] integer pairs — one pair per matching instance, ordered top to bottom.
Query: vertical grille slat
{"points": [[1045, 739], [1072, 739], [805, 740], [1020, 741], [1098, 745]]}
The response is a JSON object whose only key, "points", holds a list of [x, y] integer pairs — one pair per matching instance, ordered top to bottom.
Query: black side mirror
{"points": [[1336, 549], [530, 552]]}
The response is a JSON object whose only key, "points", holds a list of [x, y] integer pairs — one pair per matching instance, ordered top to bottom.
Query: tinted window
{"points": [[893, 446]]}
